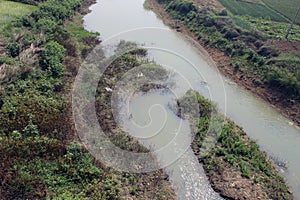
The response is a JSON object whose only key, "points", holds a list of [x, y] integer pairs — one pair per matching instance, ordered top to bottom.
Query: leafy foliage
{"points": [[56, 10], [46, 25], [13, 49], [52, 58], [37, 156]]}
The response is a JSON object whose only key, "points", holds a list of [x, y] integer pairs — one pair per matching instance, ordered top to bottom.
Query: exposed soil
{"points": [[211, 4], [285, 46], [288, 107], [232, 185]]}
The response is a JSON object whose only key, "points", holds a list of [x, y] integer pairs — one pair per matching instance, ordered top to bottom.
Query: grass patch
{"points": [[287, 8], [253, 9], [10, 11], [242, 23], [276, 30], [79, 32], [7, 60]]}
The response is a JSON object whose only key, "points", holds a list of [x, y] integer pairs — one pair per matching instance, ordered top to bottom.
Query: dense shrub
{"points": [[183, 7], [56, 10], [46, 25], [13, 49], [52, 58], [284, 80], [15, 110], [37, 161]]}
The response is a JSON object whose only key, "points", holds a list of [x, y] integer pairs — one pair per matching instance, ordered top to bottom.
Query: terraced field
{"points": [[253, 8]]}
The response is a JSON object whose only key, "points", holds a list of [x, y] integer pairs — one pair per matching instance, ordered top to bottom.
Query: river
{"points": [[128, 20]]}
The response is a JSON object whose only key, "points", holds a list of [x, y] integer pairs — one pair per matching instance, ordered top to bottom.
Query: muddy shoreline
{"points": [[289, 108], [152, 185]]}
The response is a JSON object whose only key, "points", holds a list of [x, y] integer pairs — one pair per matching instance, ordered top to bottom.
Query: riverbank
{"points": [[243, 77], [41, 155], [234, 164], [232, 175], [150, 185]]}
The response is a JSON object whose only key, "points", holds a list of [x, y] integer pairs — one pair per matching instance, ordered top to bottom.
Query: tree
{"points": [[52, 58]]}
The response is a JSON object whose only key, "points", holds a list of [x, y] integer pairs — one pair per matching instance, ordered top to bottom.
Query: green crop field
{"points": [[287, 8], [254, 9], [10, 10], [272, 29]]}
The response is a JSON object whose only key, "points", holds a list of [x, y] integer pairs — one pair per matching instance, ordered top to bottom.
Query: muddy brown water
{"points": [[128, 20]]}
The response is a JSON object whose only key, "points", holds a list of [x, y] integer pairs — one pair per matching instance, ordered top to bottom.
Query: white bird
{"points": [[140, 75], [108, 89]]}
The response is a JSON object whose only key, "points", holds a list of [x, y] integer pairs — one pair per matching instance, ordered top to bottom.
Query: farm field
{"points": [[287, 8], [254, 9], [276, 30]]}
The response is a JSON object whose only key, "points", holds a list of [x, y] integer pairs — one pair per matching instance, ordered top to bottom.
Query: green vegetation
{"points": [[239, 7], [287, 8], [55, 10], [10, 11], [275, 30], [247, 47], [13, 49], [52, 58], [6, 60], [234, 151], [40, 156], [39, 166]]}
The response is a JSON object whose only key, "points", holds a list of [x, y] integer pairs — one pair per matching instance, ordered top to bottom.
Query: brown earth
{"points": [[211, 4], [285, 46], [288, 107], [231, 184]]}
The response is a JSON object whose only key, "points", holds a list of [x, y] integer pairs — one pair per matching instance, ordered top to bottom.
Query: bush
{"points": [[183, 7], [56, 10], [223, 12], [46, 25], [13, 49], [52, 58], [282, 79], [14, 112], [31, 130]]}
